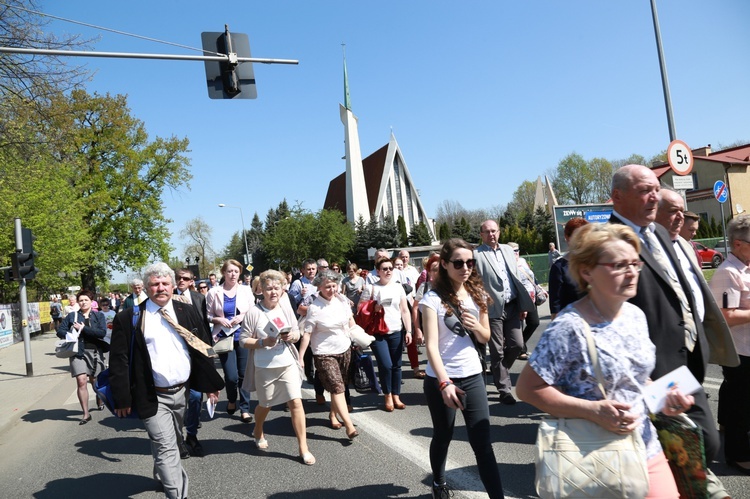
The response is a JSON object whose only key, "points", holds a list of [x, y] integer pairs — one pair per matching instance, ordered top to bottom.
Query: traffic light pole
{"points": [[23, 304]]}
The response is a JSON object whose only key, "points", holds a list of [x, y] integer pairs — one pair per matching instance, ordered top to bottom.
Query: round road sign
{"points": [[680, 157], [721, 193]]}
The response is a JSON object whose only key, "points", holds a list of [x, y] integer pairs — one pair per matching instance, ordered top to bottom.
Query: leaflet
{"points": [[273, 330], [655, 394]]}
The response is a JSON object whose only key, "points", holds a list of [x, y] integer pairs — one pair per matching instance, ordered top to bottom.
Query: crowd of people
{"points": [[634, 283]]}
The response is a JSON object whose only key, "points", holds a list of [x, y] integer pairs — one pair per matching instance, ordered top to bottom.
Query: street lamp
{"points": [[244, 234]]}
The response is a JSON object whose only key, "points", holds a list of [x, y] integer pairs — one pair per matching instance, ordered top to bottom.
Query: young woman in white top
{"points": [[454, 317]]}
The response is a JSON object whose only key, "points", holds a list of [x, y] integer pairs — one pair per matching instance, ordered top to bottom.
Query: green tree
{"points": [[119, 175], [572, 180], [522, 202], [444, 231], [303, 234], [402, 234], [420, 235]]}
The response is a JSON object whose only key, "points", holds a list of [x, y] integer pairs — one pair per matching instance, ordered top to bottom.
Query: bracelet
{"points": [[261, 343], [444, 384]]}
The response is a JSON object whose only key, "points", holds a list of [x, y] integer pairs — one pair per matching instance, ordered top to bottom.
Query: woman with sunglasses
{"points": [[454, 320], [388, 348], [560, 378]]}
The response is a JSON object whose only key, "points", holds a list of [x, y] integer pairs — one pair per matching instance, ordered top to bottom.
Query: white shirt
{"points": [[695, 285], [392, 291], [328, 323], [458, 354], [170, 358]]}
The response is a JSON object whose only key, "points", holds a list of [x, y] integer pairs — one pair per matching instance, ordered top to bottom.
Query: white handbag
{"points": [[359, 337], [224, 345], [65, 349], [577, 458]]}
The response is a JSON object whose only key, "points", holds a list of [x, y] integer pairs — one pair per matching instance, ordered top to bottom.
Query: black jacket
{"points": [[94, 333], [138, 391]]}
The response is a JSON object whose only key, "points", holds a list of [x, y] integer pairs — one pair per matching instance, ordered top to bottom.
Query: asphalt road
{"points": [[48, 455]]}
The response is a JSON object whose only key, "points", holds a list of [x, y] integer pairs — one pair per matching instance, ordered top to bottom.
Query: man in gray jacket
{"points": [[496, 263]]}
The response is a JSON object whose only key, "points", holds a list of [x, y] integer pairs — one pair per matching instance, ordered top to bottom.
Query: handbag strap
{"points": [[594, 356]]}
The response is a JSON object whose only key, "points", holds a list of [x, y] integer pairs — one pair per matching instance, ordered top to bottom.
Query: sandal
{"points": [[335, 423], [353, 435], [261, 443], [307, 458]]}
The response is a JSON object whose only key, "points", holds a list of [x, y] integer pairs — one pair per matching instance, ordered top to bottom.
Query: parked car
{"points": [[707, 256]]}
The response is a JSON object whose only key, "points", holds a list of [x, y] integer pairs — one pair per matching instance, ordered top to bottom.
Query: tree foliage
{"points": [[303, 234], [420, 235]]}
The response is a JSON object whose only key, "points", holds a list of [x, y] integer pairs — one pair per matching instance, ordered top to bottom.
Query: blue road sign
{"points": [[721, 193]]}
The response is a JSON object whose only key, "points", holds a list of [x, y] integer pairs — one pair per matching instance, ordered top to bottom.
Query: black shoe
{"points": [[507, 399], [85, 420], [194, 446], [184, 452], [739, 467], [441, 491]]}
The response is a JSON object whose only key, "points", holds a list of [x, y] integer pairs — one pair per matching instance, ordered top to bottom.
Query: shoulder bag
{"points": [[540, 295], [101, 385], [577, 458]]}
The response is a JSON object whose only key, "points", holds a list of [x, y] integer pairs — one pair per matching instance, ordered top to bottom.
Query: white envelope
{"points": [[655, 394]]}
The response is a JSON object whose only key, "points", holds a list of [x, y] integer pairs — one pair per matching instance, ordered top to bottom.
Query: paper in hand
{"points": [[655, 394], [210, 407]]}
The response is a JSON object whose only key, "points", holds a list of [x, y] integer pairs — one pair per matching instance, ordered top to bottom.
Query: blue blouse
{"points": [[230, 310], [626, 355]]}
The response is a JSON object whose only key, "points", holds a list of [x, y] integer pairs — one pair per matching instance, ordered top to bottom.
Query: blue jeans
{"points": [[388, 350], [233, 363], [193, 412], [477, 417]]}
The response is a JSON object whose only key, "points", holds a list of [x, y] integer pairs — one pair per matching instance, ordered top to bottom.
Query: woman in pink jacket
{"points": [[226, 306]]}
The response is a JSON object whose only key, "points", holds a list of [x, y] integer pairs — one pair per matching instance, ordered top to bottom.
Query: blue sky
{"points": [[480, 95]]}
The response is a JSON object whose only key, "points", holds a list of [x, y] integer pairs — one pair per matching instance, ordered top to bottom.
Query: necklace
{"points": [[593, 306]]}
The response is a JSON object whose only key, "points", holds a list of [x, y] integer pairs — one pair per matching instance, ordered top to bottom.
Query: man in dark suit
{"points": [[670, 215], [496, 264], [674, 327], [171, 354], [191, 445]]}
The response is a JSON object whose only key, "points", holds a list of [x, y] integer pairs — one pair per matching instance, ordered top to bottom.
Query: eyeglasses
{"points": [[516, 251], [459, 264], [622, 267], [386, 269], [184, 278], [202, 287]]}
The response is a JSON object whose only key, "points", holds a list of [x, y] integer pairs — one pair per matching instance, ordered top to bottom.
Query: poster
{"points": [[592, 213], [6, 326]]}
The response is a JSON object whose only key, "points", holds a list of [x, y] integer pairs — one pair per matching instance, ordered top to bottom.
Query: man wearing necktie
{"points": [[664, 292], [171, 354]]}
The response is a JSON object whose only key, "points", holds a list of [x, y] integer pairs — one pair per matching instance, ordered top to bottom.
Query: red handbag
{"points": [[368, 319]]}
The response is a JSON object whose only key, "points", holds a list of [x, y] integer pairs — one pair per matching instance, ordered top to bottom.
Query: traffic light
{"points": [[229, 79], [22, 263]]}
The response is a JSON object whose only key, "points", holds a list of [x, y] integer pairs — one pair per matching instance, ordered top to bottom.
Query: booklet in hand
{"points": [[273, 329], [681, 378]]}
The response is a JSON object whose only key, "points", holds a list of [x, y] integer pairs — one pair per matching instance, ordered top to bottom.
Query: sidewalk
{"points": [[21, 392]]}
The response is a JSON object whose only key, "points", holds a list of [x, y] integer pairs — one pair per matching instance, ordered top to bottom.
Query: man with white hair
{"points": [[136, 297], [159, 350]]}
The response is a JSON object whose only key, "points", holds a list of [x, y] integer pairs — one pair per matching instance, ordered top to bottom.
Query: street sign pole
{"points": [[721, 193], [23, 304]]}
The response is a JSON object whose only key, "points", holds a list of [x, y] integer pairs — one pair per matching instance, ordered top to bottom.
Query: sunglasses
{"points": [[459, 264], [386, 269], [183, 278], [202, 287]]}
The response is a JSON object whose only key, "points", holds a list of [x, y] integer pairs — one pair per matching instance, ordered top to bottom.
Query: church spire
{"points": [[347, 101]]}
